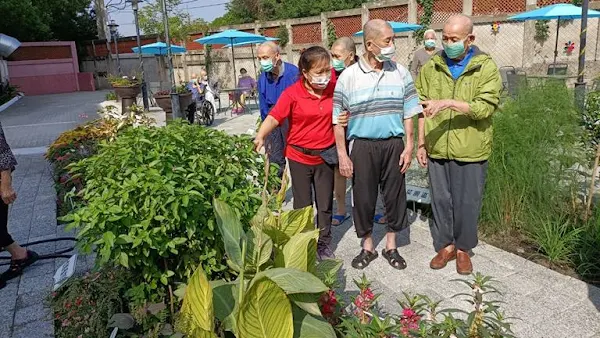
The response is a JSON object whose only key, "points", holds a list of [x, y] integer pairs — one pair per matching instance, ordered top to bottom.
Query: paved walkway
{"points": [[30, 126], [549, 305]]}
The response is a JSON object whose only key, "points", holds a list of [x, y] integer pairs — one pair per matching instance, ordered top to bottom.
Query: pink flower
{"points": [[368, 294], [408, 312]]}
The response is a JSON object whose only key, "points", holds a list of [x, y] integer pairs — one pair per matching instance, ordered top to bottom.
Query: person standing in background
{"points": [[423, 55], [276, 76]]}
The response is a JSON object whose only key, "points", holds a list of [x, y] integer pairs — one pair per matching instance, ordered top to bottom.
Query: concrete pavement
{"points": [[30, 126]]}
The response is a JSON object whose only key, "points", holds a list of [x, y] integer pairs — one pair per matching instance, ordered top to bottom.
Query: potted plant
{"points": [[126, 87], [163, 99]]}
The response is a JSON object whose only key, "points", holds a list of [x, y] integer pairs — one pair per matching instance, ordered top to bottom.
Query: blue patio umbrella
{"points": [[555, 12], [398, 27], [232, 37], [239, 44], [159, 48]]}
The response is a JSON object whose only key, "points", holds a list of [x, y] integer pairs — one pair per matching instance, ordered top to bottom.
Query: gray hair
{"points": [[432, 31], [346, 43], [272, 45]]}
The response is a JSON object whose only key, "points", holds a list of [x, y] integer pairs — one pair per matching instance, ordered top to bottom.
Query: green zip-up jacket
{"points": [[452, 135]]}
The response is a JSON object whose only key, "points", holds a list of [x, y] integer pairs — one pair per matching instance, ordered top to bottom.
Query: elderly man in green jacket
{"points": [[460, 91]]}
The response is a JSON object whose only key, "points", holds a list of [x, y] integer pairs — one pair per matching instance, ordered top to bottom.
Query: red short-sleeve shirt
{"points": [[310, 120]]}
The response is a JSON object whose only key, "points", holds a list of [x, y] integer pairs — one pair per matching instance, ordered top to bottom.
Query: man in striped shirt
{"points": [[381, 99]]}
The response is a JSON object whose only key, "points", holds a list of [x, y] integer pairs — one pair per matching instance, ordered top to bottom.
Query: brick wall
{"points": [[392, 13], [346, 25], [306, 33], [25, 53]]}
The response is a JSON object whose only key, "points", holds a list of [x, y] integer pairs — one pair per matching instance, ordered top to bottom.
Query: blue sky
{"points": [[205, 9]]}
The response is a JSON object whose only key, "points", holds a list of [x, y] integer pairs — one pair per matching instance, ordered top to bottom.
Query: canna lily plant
{"points": [[277, 290]]}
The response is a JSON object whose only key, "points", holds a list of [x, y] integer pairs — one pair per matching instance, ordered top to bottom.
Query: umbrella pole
{"points": [[556, 46], [253, 60], [233, 62]]}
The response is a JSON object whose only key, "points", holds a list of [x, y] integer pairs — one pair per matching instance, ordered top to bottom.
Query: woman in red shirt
{"points": [[310, 149]]}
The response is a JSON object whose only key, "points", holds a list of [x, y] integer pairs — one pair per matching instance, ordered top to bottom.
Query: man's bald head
{"points": [[459, 23], [375, 28], [458, 30], [378, 36]]}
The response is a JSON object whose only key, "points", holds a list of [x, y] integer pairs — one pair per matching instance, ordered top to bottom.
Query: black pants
{"points": [[191, 112], [376, 165], [320, 177], [456, 197], [5, 238]]}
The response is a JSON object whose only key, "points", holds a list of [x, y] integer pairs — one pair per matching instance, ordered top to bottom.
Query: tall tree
{"points": [[246, 11], [29, 20], [180, 22]]}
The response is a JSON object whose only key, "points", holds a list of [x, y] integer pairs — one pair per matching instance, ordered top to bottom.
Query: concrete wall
{"points": [[101, 67]]}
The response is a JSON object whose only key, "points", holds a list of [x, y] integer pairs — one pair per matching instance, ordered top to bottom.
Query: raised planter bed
{"points": [[164, 102]]}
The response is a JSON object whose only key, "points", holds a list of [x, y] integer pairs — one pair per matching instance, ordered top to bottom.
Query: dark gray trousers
{"points": [[275, 146], [377, 165], [319, 177], [456, 198]]}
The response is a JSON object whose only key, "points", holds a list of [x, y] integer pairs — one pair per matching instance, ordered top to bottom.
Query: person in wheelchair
{"points": [[246, 87], [197, 88], [203, 108]]}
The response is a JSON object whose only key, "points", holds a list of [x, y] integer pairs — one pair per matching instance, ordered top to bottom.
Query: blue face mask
{"points": [[430, 43], [455, 49], [266, 65]]}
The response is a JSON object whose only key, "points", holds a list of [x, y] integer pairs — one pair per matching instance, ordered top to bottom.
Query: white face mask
{"points": [[386, 53], [320, 82]]}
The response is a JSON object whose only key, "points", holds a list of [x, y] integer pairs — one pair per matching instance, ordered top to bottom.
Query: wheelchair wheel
{"points": [[205, 114]]}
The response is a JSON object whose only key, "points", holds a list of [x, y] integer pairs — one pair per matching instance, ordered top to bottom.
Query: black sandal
{"points": [[394, 258], [363, 259], [18, 265]]}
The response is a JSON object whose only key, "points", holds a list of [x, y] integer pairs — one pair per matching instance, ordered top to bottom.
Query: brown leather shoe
{"points": [[443, 257], [463, 263]]}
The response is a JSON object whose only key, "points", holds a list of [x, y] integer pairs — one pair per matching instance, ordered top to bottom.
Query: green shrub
{"points": [[7, 92], [111, 96], [591, 120], [537, 141], [147, 201], [557, 240], [588, 249]]}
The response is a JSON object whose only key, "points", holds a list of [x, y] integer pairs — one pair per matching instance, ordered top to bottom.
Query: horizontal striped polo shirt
{"points": [[378, 101]]}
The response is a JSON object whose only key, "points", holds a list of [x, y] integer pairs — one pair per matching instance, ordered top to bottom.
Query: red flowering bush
{"points": [[84, 305]]}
